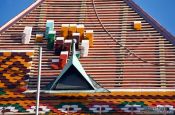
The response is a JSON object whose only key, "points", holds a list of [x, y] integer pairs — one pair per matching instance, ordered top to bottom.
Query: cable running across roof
{"points": [[121, 45]]}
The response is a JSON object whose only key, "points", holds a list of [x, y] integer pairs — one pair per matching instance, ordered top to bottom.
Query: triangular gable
{"points": [[72, 79], [81, 82]]}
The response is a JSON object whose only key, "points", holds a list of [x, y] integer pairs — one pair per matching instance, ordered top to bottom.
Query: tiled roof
{"points": [[121, 60], [14, 68], [113, 103]]}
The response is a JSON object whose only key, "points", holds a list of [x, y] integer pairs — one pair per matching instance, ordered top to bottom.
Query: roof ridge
{"points": [[20, 15], [151, 20]]}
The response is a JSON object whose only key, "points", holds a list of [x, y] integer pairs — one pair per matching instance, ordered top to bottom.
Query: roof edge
{"points": [[20, 15], [152, 21]]}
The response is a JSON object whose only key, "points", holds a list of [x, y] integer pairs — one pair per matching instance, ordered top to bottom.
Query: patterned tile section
{"points": [[14, 72], [2, 92], [121, 103], [4, 108]]}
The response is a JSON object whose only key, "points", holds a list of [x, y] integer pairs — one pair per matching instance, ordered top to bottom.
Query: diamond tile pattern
{"points": [[14, 71], [108, 103]]}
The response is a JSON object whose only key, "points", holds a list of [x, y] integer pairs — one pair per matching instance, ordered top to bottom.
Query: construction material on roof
{"points": [[137, 25], [49, 27], [72, 29], [81, 29], [64, 30], [26, 36], [39, 37], [90, 37], [51, 39], [64, 43], [59, 44], [67, 45], [84, 48], [63, 59], [55, 64]]}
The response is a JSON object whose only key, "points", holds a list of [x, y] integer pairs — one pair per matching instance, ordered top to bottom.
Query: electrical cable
{"points": [[127, 49]]}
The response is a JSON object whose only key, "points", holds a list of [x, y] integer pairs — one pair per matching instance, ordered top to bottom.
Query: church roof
{"points": [[136, 66]]}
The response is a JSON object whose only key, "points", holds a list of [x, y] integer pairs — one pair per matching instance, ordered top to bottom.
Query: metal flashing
{"points": [[74, 62]]}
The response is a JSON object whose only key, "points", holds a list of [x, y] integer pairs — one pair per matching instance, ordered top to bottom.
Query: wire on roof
{"points": [[126, 48]]}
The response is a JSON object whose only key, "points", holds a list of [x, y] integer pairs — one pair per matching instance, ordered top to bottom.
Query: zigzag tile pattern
{"points": [[108, 63], [14, 71], [113, 103]]}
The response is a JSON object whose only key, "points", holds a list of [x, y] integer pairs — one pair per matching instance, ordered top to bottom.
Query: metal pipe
{"points": [[39, 80]]}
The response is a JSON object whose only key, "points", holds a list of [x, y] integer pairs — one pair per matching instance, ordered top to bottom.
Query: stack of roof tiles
{"points": [[141, 61]]}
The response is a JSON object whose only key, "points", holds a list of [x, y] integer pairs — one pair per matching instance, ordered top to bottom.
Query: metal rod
{"points": [[39, 80], [100, 110]]}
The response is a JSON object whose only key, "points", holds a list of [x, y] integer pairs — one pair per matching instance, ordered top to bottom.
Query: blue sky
{"points": [[10, 8], [160, 10]]}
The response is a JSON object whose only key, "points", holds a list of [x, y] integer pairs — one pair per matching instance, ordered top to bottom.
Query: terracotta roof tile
{"points": [[121, 59]]}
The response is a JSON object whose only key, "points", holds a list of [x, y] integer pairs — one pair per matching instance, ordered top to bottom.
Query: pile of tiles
{"points": [[62, 45]]}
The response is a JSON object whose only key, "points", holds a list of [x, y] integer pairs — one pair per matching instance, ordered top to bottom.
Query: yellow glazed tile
{"points": [[6, 54]]}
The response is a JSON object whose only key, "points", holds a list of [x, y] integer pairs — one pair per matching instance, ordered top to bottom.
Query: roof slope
{"points": [[150, 20], [118, 57], [121, 59]]}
